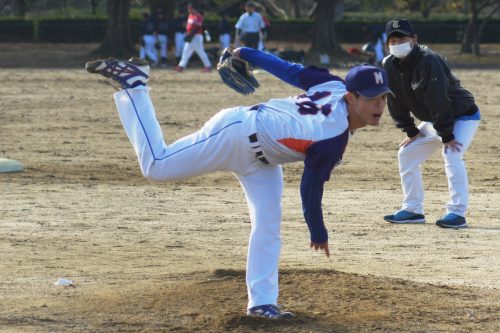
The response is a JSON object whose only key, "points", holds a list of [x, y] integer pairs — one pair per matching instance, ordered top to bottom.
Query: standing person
{"points": [[179, 27], [249, 27], [161, 28], [224, 32], [263, 34], [148, 39], [194, 41], [379, 46], [425, 88], [253, 142]]}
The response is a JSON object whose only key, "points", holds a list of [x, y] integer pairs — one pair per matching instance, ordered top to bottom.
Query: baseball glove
{"points": [[188, 37], [157, 45], [236, 73]]}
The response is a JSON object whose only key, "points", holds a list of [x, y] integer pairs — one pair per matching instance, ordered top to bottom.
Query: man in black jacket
{"points": [[426, 89]]}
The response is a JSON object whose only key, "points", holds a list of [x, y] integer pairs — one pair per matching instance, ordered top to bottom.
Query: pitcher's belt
{"points": [[257, 148]]}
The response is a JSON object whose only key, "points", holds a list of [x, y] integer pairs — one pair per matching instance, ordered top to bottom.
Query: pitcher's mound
{"points": [[323, 301]]}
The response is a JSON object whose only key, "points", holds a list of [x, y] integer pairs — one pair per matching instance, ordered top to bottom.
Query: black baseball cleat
{"points": [[129, 73]]}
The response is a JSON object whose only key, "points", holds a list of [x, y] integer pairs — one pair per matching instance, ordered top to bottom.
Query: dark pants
{"points": [[250, 39]]}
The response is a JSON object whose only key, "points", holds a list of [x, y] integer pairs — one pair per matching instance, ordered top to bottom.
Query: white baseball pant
{"points": [[224, 40], [179, 44], [163, 45], [196, 45], [149, 47], [222, 144], [412, 156]]}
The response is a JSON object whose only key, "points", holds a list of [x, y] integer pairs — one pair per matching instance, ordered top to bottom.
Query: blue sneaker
{"points": [[404, 216], [452, 220], [269, 311]]}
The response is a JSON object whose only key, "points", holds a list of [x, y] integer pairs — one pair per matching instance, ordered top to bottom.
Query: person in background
{"points": [[249, 27], [161, 28], [179, 28], [224, 32], [263, 34], [148, 40], [380, 40], [194, 41], [425, 88]]}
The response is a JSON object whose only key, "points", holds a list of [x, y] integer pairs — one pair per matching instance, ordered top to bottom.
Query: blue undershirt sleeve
{"points": [[284, 70], [311, 191]]}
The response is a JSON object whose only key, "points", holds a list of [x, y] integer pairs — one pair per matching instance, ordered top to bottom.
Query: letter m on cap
{"points": [[379, 79]]}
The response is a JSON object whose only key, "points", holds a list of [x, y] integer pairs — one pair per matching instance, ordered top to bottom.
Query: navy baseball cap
{"points": [[398, 26], [368, 81]]}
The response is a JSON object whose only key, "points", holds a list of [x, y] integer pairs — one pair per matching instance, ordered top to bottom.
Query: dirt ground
{"points": [[170, 257]]}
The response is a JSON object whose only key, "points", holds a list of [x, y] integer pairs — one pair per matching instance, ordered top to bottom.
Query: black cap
{"points": [[400, 26]]}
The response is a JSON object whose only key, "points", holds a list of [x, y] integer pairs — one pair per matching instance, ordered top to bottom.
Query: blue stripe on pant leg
{"points": [[178, 151]]}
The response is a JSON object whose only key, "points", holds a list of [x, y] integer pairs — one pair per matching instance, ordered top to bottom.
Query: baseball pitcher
{"points": [[252, 142]]}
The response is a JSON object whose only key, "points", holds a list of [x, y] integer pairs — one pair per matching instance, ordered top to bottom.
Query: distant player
{"points": [[179, 27], [249, 27], [161, 28], [224, 32], [194, 41], [148, 49], [425, 88], [253, 142]]}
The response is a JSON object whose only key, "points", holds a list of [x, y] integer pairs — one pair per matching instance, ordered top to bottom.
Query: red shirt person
{"points": [[194, 41]]}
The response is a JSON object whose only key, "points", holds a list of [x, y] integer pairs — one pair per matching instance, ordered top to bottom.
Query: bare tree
{"points": [[296, 8], [273, 9], [473, 31], [324, 34], [477, 40], [117, 41]]}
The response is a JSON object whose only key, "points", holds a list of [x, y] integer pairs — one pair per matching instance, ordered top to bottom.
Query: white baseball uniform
{"points": [[149, 40], [253, 142]]}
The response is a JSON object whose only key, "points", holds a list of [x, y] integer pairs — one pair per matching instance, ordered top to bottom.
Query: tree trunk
{"points": [[93, 6], [426, 6], [20, 8], [64, 8], [272, 9], [296, 9], [426, 12], [470, 30], [324, 34], [479, 34], [467, 38], [117, 42]]}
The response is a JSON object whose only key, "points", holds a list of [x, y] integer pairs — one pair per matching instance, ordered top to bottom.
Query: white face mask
{"points": [[400, 50]]}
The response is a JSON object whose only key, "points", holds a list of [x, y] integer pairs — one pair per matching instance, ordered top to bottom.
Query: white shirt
{"points": [[250, 23]]}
